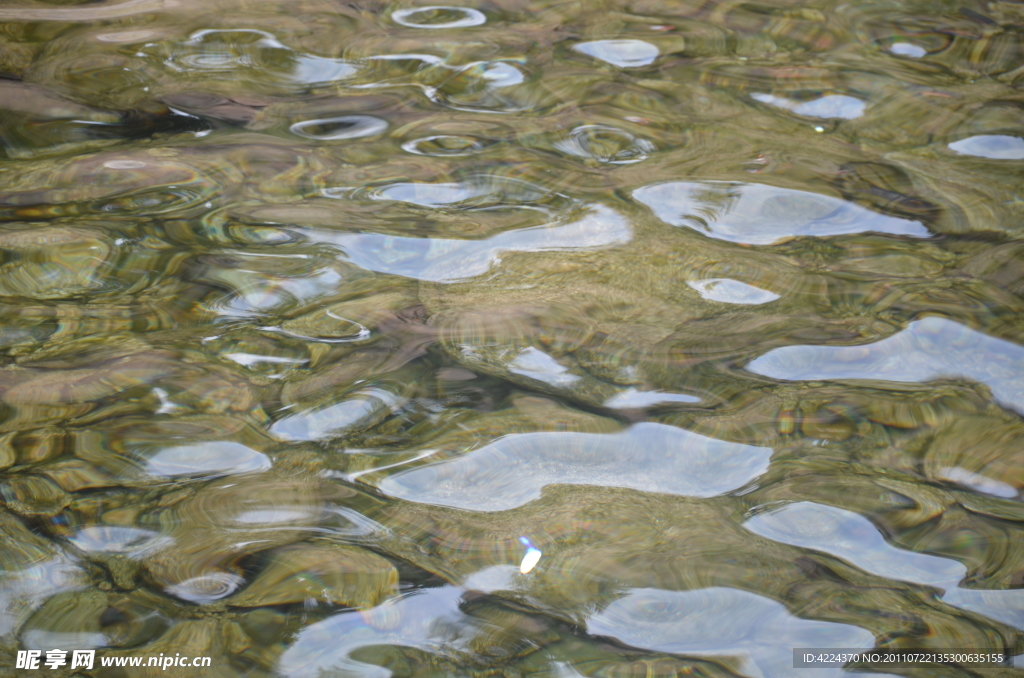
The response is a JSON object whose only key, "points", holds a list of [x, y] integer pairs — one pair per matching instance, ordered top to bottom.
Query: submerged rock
{"points": [[979, 453], [29, 495], [212, 530], [589, 560], [34, 570], [334, 575]]}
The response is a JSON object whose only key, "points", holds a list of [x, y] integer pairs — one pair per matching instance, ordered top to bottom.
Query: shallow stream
{"points": [[518, 338]]}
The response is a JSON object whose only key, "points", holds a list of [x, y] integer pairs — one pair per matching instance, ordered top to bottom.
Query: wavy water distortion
{"points": [[526, 338]]}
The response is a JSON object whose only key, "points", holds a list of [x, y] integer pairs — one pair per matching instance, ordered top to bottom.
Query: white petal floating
{"points": [[621, 53], [758, 214], [928, 349], [514, 469], [530, 560]]}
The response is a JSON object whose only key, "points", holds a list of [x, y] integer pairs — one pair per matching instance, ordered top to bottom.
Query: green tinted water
{"points": [[319, 320]]}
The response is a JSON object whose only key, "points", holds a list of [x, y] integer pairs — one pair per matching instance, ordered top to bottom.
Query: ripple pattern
{"points": [[533, 338]]}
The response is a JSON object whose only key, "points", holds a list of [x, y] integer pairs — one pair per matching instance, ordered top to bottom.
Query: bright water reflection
{"points": [[621, 53], [831, 106], [994, 146], [758, 214], [443, 260], [518, 338], [928, 349], [515, 469], [849, 536], [853, 538], [721, 621]]}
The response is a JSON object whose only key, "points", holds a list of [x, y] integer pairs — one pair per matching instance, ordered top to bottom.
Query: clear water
{"points": [[518, 338]]}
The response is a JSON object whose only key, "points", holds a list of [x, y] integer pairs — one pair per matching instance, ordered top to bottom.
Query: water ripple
{"points": [[439, 17], [343, 127]]}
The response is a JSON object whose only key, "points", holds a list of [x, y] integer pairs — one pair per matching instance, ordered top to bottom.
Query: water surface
{"points": [[511, 338]]}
